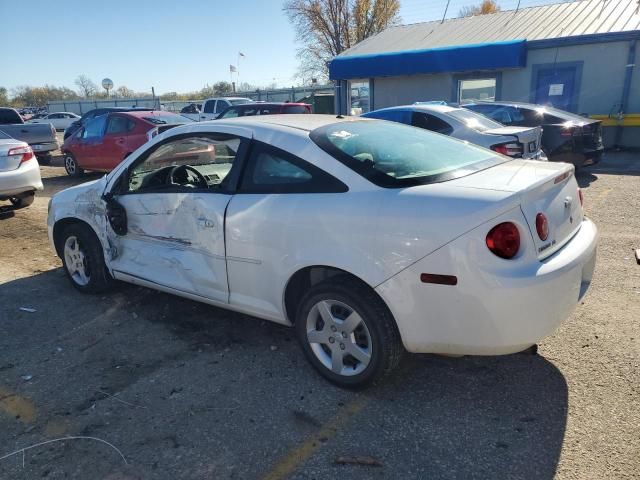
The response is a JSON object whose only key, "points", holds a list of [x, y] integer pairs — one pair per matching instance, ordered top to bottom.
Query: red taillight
{"points": [[509, 149], [26, 152], [581, 197], [542, 226], [504, 240]]}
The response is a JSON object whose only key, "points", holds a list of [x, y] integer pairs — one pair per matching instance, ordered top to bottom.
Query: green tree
{"points": [[485, 7], [326, 28], [124, 92], [4, 96]]}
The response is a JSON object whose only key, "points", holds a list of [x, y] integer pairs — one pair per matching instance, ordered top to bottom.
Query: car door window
{"points": [[221, 105], [209, 106], [400, 116], [430, 122], [119, 125], [94, 129], [202, 162], [272, 170]]}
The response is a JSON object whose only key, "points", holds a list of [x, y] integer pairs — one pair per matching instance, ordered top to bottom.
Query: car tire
{"points": [[44, 159], [71, 166], [22, 201], [83, 259], [372, 335]]}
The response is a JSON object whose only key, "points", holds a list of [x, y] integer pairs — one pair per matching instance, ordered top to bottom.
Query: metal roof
{"points": [[560, 20]]}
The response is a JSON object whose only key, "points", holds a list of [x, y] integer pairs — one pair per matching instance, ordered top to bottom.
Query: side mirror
{"points": [[116, 214]]}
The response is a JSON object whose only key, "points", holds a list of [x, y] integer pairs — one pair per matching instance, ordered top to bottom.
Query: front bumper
{"points": [[25, 178], [489, 312]]}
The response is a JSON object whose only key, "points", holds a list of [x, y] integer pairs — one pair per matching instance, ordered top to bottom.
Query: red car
{"points": [[108, 139]]}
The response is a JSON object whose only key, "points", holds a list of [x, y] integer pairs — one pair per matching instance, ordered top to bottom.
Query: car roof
{"points": [[227, 98], [267, 104], [420, 108], [144, 113], [300, 121]]}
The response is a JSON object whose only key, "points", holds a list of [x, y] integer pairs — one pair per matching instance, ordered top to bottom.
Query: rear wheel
{"points": [[71, 166], [83, 259], [347, 333]]}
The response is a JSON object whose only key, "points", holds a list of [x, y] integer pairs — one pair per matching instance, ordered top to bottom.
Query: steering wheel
{"points": [[187, 169]]}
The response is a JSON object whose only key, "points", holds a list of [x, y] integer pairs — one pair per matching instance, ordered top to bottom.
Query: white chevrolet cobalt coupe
{"points": [[369, 237]]}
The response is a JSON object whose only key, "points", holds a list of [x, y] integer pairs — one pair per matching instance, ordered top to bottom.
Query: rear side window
{"points": [[430, 122], [118, 124], [271, 170]]}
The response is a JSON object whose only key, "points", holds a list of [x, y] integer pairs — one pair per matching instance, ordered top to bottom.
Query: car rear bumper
{"points": [[40, 148], [25, 178], [489, 312]]}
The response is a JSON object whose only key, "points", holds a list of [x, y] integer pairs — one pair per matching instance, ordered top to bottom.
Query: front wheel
{"points": [[71, 166], [83, 259], [347, 333]]}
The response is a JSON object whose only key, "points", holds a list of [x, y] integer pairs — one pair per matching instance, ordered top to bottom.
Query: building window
{"points": [[477, 89], [359, 97]]}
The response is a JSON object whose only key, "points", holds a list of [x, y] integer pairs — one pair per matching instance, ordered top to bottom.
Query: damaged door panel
{"points": [[175, 239]]}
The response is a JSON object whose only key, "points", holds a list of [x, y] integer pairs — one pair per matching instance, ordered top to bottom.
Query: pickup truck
{"points": [[212, 107], [41, 137]]}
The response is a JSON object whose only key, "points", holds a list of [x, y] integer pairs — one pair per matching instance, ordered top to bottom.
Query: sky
{"points": [[174, 46]]}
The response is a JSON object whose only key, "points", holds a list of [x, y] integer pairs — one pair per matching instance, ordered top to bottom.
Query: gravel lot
{"points": [[187, 391]]}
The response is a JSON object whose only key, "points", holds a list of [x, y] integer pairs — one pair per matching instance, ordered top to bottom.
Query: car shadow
{"points": [[209, 377]]}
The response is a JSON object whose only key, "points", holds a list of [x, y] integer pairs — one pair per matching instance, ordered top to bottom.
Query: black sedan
{"points": [[566, 137]]}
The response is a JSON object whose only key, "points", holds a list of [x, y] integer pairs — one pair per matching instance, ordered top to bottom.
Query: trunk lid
{"points": [[527, 137], [9, 162], [544, 187]]}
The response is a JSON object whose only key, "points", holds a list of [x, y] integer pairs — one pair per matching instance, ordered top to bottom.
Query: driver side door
{"points": [[175, 217]]}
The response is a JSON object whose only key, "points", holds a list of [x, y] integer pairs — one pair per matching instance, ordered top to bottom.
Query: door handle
{"points": [[206, 223]]}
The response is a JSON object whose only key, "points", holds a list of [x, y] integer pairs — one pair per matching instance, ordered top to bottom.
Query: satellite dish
{"points": [[107, 84]]}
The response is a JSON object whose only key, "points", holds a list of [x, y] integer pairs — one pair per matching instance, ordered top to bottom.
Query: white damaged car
{"points": [[369, 237]]}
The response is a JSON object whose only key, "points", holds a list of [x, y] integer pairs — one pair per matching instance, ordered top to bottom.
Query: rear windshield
{"points": [[167, 119], [474, 120], [396, 155]]}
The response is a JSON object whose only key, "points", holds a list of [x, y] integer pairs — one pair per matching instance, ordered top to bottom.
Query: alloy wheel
{"points": [[76, 261], [339, 337]]}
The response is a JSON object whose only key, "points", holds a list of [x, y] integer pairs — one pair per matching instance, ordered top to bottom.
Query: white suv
{"points": [[212, 107]]}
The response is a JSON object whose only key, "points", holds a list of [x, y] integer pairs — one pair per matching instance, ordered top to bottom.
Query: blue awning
{"points": [[484, 56]]}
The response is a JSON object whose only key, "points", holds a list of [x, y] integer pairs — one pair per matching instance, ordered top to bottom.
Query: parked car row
{"points": [[40, 137]]}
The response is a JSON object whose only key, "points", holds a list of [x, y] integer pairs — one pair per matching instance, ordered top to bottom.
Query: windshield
{"points": [[241, 101], [167, 119], [474, 120], [395, 155]]}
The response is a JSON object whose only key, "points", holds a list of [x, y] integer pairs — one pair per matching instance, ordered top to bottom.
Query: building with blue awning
{"points": [[579, 56]]}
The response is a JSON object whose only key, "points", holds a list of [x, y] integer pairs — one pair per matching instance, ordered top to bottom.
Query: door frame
{"points": [[577, 82]]}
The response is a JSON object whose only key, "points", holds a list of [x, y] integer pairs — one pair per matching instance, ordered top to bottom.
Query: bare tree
{"points": [[485, 7], [327, 28], [86, 86], [125, 92]]}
